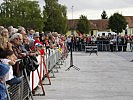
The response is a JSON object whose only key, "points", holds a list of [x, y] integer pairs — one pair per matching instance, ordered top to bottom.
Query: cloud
{"points": [[96, 4], [96, 14]]}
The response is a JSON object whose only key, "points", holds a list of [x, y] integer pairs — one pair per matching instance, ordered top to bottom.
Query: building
{"points": [[101, 25], [130, 25]]}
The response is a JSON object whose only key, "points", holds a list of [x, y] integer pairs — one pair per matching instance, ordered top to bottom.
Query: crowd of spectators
{"points": [[104, 43], [21, 44], [25, 44]]}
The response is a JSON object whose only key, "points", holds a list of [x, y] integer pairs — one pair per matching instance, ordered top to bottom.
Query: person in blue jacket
{"points": [[3, 71]]}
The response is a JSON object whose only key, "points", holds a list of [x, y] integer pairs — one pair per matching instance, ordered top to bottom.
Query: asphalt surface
{"points": [[108, 76]]}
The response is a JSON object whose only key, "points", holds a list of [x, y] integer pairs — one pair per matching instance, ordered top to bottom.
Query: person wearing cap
{"points": [[31, 32], [30, 36], [36, 40], [37, 44], [40, 48], [3, 71]]}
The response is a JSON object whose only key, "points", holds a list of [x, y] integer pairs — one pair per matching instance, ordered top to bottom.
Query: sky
{"points": [[94, 8]]}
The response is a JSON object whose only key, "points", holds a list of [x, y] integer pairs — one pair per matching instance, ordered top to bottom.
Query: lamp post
{"points": [[72, 12], [72, 22], [126, 30], [71, 47]]}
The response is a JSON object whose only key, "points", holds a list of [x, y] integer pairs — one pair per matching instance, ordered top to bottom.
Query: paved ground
{"points": [[108, 76]]}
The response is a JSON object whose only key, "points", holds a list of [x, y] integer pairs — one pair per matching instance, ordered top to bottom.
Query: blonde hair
{"points": [[1, 28], [3, 31], [3, 41]]}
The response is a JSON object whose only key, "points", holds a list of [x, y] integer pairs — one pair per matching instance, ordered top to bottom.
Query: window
{"points": [[126, 31], [91, 33], [103, 34], [109, 34]]}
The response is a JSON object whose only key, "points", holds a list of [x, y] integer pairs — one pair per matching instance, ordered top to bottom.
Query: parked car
{"points": [[105, 33]]}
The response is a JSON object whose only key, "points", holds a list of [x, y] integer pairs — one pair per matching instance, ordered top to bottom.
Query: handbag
{"points": [[35, 62], [30, 63]]}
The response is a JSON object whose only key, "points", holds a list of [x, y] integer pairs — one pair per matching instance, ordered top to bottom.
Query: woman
{"points": [[4, 39]]}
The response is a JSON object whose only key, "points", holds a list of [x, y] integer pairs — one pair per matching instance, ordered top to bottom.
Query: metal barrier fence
{"points": [[104, 45], [21, 91]]}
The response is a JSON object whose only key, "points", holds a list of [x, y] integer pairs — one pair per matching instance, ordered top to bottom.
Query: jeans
{"points": [[3, 95]]}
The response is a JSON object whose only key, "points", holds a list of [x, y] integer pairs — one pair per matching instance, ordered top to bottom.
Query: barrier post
{"points": [[45, 68], [25, 73], [33, 83], [41, 83]]}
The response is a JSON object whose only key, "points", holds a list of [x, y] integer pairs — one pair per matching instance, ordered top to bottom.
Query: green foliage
{"points": [[21, 13], [104, 15], [56, 19], [117, 23], [83, 25]]}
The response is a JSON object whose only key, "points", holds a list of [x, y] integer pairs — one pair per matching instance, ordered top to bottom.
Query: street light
{"points": [[72, 12], [72, 22], [126, 30]]}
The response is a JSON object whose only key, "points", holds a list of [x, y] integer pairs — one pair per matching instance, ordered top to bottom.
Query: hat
{"points": [[36, 35], [38, 45], [3, 69]]}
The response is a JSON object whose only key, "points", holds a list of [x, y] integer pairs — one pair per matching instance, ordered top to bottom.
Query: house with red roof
{"points": [[101, 25]]}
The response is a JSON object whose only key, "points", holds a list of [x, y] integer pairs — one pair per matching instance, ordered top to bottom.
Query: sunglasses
{"points": [[18, 39]]}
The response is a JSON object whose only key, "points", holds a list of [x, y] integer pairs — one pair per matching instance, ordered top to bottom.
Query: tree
{"points": [[21, 13], [104, 15], [56, 19], [117, 23], [83, 25]]}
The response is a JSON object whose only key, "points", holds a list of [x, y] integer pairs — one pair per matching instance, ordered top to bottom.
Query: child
{"points": [[40, 48], [8, 57], [3, 71]]}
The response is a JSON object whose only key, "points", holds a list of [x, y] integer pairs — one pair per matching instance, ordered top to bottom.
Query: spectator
{"points": [[1, 28], [10, 29], [20, 29], [23, 32], [31, 32], [5, 34], [36, 38], [56, 39], [45, 40], [69, 40], [4, 41], [17, 41], [124, 42], [19, 51], [8, 58], [3, 71]]}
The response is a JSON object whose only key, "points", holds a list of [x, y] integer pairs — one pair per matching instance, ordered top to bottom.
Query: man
{"points": [[31, 32], [31, 38], [69, 41]]}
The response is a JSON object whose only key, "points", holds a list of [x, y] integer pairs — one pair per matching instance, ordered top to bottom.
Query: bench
{"points": [[91, 49]]}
